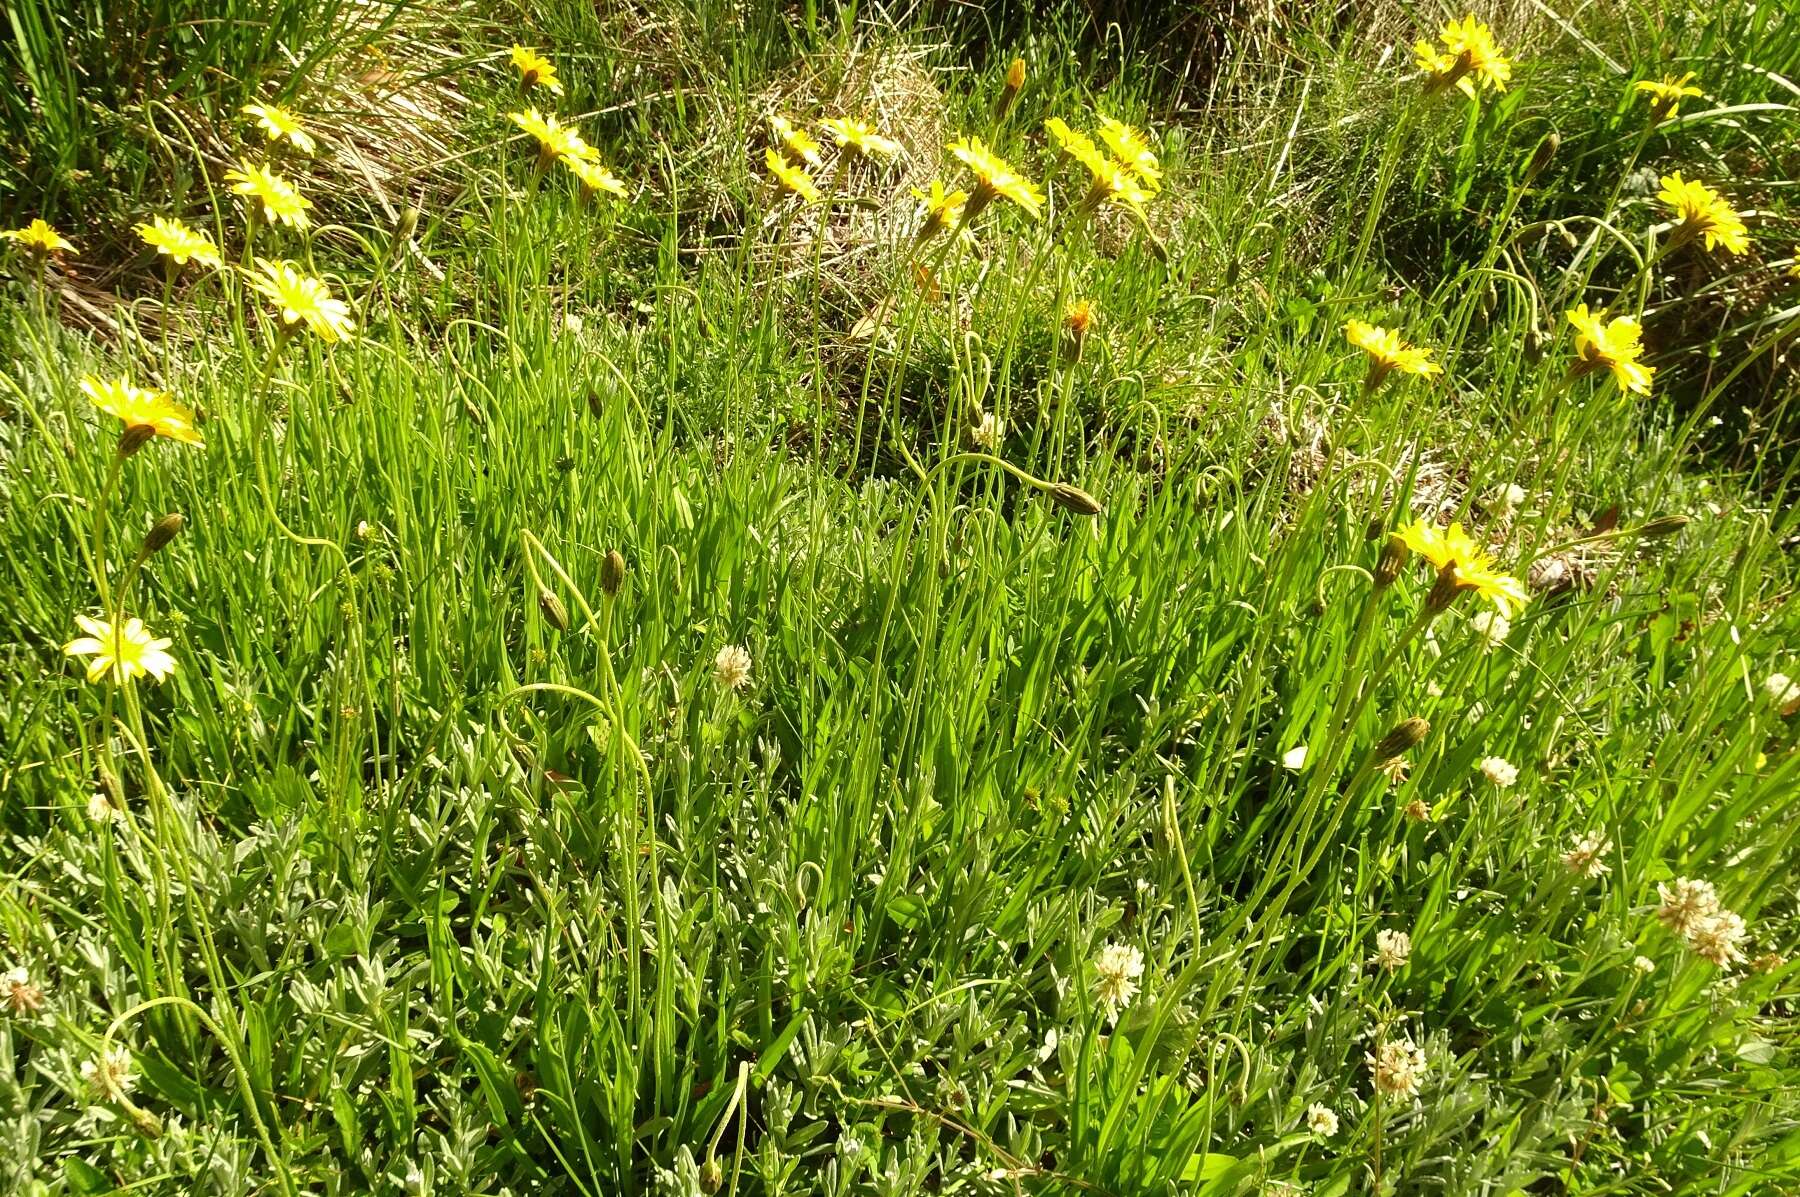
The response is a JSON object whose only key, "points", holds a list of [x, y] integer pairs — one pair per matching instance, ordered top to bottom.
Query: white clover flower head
{"points": [[987, 430], [1506, 500], [1492, 627], [731, 667], [1783, 694], [1499, 771], [100, 808], [1587, 856], [1686, 904], [1719, 938], [1392, 948], [1644, 964], [1117, 968], [22, 995], [1398, 1066], [110, 1072], [1321, 1120]]}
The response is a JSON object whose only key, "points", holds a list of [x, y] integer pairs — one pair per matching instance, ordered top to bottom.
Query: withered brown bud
{"points": [[135, 438], [1073, 498], [163, 531], [1393, 559], [612, 572], [553, 610], [1406, 734]]}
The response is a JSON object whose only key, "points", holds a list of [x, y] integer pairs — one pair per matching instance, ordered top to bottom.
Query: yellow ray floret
{"points": [[1470, 59], [535, 70], [1666, 94], [278, 124], [860, 138], [554, 139], [797, 145], [1132, 149], [594, 177], [790, 178], [994, 178], [281, 202], [941, 209], [1702, 212], [39, 237], [178, 242], [302, 299], [1615, 345], [1387, 352], [137, 407], [1464, 564], [127, 651]]}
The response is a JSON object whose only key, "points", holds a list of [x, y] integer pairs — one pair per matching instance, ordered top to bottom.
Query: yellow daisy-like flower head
{"points": [[1469, 60], [535, 70], [1666, 94], [278, 124], [859, 138], [554, 139], [1073, 142], [797, 145], [1132, 149], [594, 177], [790, 178], [994, 178], [281, 202], [942, 210], [1702, 212], [39, 238], [179, 243], [302, 299], [1077, 323], [1615, 345], [1388, 353], [138, 408], [1462, 564], [128, 651]]}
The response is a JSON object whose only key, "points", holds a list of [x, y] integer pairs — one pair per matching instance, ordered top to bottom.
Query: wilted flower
{"points": [[535, 70], [1666, 94], [278, 124], [860, 138], [790, 178], [994, 178], [281, 203], [1702, 212], [39, 237], [178, 242], [301, 298], [1615, 345], [1388, 353], [137, 407], [128, 651], [731, 667], [1499, 771], [1416, 810], [1587, 857], [1686, 904], [1392, 948], [1116, 971], [23, 996], [1398, 1066], [1321, 1121]]}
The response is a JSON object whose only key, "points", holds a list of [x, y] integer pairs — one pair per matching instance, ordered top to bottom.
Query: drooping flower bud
{"points": [[1015, 80], [1073, 498], [163, 531], [1393, 559], [612, 572], [554, 610], [1406, 735]]}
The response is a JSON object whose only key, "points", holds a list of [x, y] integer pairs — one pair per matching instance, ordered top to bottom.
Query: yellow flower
{"points": [[1470, 58], [535, 70], [1666, 95], [277, 123], [860, 138], [555, 139], [1073, 142], [797, 145], [1132, 149], [594, 177], [791, 178], [994, 178], [281, 203], [942, 210], [1702, 212], [39, 238], [177, 241], [303, 299], [1077, 322], [1615, 345], [1387, 353], [139, 408], [1464, 565], [128, 652]]}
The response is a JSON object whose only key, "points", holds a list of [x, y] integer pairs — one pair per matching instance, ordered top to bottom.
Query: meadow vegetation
{"points": [[694, 598]]}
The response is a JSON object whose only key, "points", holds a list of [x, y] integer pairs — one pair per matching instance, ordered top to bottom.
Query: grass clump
{"points": [[617, 647]]}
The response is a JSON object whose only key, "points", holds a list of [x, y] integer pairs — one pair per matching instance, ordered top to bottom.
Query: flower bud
{"points": [[1015, 80], [1540, 157], [406, 222], [135, 438], [1073, 498], [1663, 525], [163, 531], [1393, 559], [612, 572], [553, 610], [1406, 734], [712, 1175]]}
